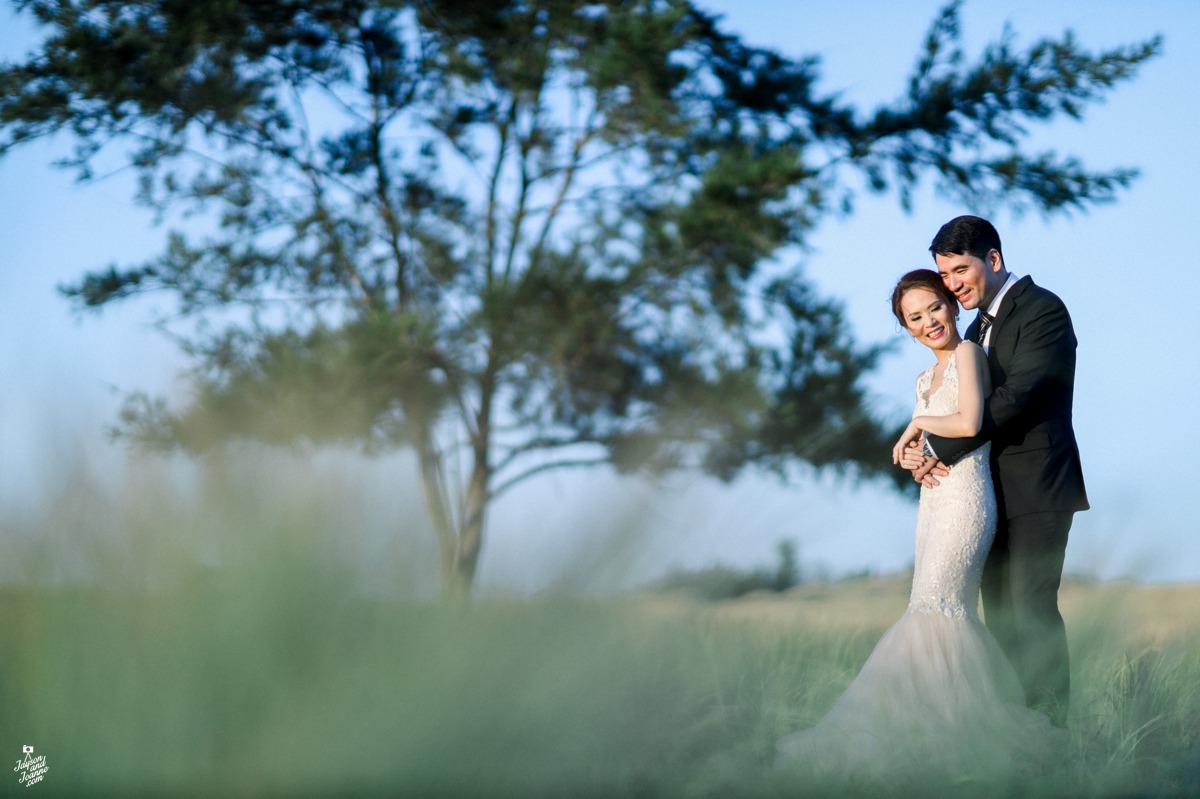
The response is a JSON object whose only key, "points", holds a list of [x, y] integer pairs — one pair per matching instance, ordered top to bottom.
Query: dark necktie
{"points": [[985, 322]]}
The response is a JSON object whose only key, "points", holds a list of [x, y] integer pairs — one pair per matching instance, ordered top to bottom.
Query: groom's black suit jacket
{"points": [[1035, 460]]}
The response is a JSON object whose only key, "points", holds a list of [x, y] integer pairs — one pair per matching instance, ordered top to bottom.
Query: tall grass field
{"points": [[220, 643]]}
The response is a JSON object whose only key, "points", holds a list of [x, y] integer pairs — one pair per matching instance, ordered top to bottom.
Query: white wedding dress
{"points": [[937, 695]]}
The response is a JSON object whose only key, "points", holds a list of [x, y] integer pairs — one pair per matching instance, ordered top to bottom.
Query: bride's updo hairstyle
{"points": [[921, 279]]}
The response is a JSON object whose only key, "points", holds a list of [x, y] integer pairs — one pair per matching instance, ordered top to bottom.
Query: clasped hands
{"points": [[907, 453]]}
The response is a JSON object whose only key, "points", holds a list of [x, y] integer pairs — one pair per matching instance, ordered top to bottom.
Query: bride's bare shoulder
{"points": [[969, 350], [973, 360]]}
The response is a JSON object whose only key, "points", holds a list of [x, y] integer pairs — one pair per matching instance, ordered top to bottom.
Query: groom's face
{"points": [[973, 281]]}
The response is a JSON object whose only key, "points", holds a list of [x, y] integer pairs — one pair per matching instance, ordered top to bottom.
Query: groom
{"points": [[1030, 344]]}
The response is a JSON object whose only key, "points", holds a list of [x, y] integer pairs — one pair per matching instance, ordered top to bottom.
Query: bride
{"points": [[937, 696]]}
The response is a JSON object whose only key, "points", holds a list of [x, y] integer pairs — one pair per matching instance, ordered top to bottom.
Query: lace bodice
{"points": [[944, 401], [956, 520]]}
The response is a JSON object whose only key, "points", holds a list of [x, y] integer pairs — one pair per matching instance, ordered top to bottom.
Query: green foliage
{"points": [[543, 234], [725, 582], [223, 642], [268, 683]]}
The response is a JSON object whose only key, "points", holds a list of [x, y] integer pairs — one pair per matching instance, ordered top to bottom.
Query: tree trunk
{"points": [[437, 505], [470, 536], [459, 545]]}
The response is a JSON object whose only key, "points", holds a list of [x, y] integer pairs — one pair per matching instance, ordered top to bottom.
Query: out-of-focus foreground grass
{"points": [[223, 647]]}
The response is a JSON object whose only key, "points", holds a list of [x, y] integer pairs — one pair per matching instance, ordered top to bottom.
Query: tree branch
{"points": [[589, 131], [494, 189], [543, 443], [545, 467]]}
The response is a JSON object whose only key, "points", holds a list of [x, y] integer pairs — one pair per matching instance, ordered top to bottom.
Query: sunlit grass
{"points": [[219, 642]]}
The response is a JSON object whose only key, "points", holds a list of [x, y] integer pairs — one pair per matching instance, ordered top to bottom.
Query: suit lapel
{"points": [[1011, 301]]}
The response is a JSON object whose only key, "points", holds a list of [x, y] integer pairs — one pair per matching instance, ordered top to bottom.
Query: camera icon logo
{"points": [[27, 750]]}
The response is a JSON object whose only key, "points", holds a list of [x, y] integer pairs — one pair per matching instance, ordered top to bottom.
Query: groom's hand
{"points": [[925, 470], [930, 471]]}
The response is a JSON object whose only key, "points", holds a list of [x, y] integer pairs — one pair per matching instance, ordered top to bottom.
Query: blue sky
{"points": [[1123, 270]]}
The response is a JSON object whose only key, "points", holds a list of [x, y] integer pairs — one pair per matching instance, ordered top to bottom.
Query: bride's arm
{"points": [[969, 418], [966, 422]]}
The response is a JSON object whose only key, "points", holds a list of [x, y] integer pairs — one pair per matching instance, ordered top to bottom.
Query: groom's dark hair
{"points": [[970, 235]]}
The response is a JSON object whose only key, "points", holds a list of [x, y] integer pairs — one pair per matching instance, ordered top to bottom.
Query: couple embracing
{"points": [[992, 445]]}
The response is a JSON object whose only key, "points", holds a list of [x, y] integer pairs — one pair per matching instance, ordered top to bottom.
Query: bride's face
{"points": [[929, 319]]}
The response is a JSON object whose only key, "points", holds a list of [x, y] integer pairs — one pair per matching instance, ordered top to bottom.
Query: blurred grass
{"points": [[221, 645]]}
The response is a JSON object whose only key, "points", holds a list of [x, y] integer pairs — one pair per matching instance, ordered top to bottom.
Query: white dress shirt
{"points": [[993, 308]]}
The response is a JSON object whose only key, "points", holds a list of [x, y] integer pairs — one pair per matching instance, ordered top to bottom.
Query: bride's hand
{"points": [[910, 434], [912, 458]]}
